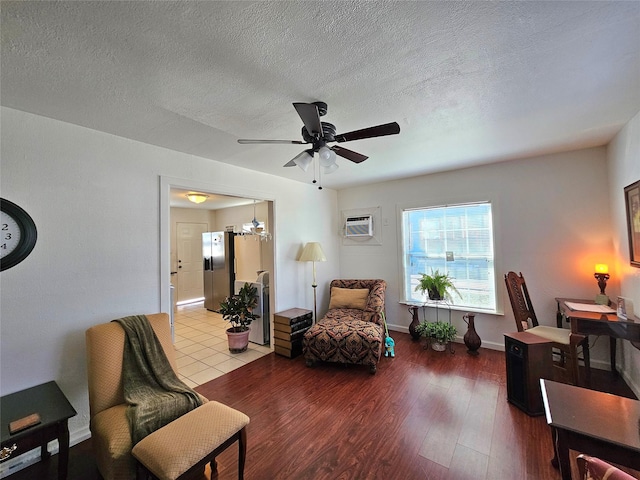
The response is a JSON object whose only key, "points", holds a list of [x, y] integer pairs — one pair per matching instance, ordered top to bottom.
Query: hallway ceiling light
{"points": [[197, 197]]}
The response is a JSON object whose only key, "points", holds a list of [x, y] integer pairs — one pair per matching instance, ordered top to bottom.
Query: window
{"points": [[458, 240]]}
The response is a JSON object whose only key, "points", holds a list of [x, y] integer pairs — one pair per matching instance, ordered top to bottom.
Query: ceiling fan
{"points": [[319, 134]]}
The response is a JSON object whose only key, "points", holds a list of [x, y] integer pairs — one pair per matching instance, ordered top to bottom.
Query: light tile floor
{"points": [[201, 345]]}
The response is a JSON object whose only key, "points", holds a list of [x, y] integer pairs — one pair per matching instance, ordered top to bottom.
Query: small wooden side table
{"points": [[288, 329], [528, 359], [54, 409]]}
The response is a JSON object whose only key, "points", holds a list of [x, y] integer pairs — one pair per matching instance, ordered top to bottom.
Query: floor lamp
{"points": [[312, 252]]}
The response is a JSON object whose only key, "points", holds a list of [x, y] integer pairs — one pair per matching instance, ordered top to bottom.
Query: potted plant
{"points": [[438, 286], [238, 310], [438, 333]]}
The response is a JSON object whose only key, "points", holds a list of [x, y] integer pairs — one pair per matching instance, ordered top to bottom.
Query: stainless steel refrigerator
{"points": [[219, 271]]}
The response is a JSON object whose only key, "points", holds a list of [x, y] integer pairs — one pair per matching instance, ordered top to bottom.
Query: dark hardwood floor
{"points": [[424, 415]]}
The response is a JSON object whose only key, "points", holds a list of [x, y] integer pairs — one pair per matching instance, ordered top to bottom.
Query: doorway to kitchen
{"points": [[199, 334]]}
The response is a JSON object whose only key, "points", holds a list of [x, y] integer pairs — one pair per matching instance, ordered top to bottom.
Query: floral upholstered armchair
{"points": [[352, 331]]}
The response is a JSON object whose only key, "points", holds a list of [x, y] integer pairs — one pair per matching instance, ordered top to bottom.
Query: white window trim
{"points": [[497, 250]]}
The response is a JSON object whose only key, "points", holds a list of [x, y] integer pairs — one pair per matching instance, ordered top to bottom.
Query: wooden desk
{"points": [[590, 323], [54, 409], [599, 424]]}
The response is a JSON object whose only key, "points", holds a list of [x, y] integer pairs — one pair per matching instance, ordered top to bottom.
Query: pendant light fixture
{"points": [[256, 230]]}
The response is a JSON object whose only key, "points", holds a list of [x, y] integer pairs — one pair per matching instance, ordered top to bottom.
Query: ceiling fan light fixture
{"points": [[319, 134], [327, 156], [303, 160], [330, 168], [197, 197]]}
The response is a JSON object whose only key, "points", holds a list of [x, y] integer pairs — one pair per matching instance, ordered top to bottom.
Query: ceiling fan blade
{"points": [[310, 117], [377, 131], [246, 141], [355, 157], [290, 163]]}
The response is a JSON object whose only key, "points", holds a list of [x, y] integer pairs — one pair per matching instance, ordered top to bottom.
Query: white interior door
{"points": [[190, 260]]}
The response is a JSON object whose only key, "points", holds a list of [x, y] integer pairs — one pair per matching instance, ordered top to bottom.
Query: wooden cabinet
{"points": [[289, 327], [528, 359]]}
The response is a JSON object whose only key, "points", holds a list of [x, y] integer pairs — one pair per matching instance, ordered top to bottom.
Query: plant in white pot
{"points": [[437, 286], [238, 311], [438, 333]]}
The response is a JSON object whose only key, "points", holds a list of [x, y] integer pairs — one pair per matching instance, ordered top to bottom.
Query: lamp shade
{"points": [[327, 156], [303, 160], [330, 169], [312, 252], [601, 268]]}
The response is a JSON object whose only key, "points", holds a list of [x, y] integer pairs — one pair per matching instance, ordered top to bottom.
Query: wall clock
{"points": [[18, 234]]}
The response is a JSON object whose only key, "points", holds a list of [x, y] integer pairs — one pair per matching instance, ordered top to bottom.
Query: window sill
{"points": [[444, 304]]}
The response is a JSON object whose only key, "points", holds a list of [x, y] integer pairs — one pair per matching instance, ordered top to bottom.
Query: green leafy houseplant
{"points": [[438, 286], [238, 309], [441, 332]]}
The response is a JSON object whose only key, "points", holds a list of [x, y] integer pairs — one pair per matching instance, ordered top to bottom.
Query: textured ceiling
{"points": [[468, 82]]}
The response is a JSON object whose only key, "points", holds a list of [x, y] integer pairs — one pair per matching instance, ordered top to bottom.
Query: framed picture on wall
{"points": [[632, 202]]}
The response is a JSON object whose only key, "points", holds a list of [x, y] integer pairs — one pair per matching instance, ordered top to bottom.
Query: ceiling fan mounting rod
{"points": [[328, 134]]}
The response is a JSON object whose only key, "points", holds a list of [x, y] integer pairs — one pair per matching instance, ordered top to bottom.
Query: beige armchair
{"points": [[206, 431]]}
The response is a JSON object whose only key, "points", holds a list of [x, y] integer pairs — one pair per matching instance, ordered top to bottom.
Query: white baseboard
{"points": [[485, 344], [598, 364], [633, 384]]}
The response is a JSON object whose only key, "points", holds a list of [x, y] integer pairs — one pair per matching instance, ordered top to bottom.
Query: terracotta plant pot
{"points": [[238, 341]]}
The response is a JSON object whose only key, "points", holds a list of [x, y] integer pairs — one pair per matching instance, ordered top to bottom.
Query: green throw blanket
{"points": [[155, 395]]}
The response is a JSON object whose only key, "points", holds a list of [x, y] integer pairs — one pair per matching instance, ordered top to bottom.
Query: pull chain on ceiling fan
{"points": [[319, 134]]}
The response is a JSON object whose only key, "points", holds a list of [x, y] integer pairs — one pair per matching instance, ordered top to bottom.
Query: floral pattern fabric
{"points": [[347, 335]]}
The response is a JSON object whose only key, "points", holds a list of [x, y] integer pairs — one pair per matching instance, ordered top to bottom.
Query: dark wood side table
{"points": [[528, 359], [54, 409], [599, 424]]}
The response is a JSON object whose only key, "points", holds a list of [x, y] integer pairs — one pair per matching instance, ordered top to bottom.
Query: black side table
{"points": [[54, 409]]}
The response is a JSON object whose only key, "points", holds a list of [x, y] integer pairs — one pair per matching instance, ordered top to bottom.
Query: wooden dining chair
{"points": [[563, 341]]}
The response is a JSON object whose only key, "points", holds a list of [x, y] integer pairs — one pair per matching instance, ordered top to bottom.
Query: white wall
{"points": [[624, 169], [95, 199], [237, 216], [552, 223]]}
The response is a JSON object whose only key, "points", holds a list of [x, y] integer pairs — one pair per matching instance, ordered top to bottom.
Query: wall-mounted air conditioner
{"points": [[359, 226]]}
